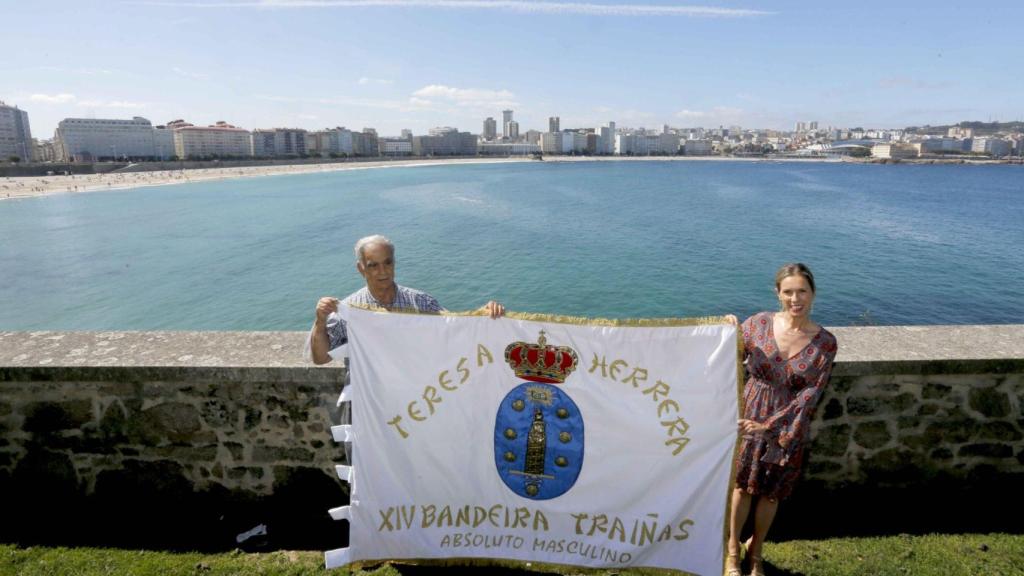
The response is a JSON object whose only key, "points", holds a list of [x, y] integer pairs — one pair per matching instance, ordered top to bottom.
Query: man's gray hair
{"points": [[362, 243]]}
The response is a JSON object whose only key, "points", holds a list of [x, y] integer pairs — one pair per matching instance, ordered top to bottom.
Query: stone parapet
{"points": [[232, 428]]}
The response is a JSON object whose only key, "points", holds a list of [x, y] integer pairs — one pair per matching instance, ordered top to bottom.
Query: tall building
{"points": [[506, 118], [553, 123], [490, 129], [513, 130], [407, 134], [15, 135], [91, 139], [606, 139], [221, 140], [278, 142], [333, 142], [445, 142], [365, 143]]}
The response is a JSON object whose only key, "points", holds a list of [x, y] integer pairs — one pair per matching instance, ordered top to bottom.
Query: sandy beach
{"points": [[33, 186]]}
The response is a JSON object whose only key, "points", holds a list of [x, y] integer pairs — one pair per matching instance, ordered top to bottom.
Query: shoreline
{"points": [[18, 187]]}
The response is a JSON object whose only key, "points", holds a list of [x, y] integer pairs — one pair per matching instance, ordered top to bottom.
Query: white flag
{"points": [[596, 443]]}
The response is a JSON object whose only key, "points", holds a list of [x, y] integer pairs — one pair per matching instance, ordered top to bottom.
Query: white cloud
{"points": [[527, 7], [94, 71], [188, 74], [365, 81], [467, 97], [54, 99], [687, 114], [716, 114], [306, 116]]}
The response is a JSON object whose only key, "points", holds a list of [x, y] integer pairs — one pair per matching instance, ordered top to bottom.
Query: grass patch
{"points": [[938, 555]]}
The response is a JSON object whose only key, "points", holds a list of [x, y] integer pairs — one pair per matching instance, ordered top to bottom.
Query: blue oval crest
{"points": [[538, 441]]}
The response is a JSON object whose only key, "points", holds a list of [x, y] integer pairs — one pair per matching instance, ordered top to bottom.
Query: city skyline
{"points": [[417, 64]]}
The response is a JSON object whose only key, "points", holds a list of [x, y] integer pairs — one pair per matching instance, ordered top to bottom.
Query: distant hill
{"points": [[980, 128]]}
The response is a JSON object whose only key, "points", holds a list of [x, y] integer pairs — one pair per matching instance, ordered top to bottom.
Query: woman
{"points": [[789, 359]]}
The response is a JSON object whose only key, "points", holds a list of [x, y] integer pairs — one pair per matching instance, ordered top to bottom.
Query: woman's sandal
{"points": [[756, 566], [734, 571]]}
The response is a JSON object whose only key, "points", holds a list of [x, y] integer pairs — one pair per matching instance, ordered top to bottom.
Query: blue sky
{"points": [[394, 64]]}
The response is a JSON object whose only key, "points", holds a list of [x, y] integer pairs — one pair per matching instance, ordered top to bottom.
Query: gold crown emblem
{"points": [[541, 362]]}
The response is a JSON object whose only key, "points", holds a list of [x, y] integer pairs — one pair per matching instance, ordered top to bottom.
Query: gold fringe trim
{"points": [[740, 353], [514, 564]]}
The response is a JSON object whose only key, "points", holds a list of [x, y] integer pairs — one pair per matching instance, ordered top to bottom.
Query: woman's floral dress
{"points": [[782, 393]]}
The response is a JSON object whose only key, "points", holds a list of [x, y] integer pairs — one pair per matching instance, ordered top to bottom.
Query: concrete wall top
{"points": [[905, 348]]}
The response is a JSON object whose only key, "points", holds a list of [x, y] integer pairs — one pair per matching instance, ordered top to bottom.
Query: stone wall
{"points": [[951, 422], [188, 439]]}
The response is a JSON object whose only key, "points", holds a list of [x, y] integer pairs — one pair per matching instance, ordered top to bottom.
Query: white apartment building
{"points": [[506, 117], [958, 132], [15, 134], [90, 139], [221, 139], [606, 139], [334, 141], [275, 142], [556, 142], [564, 142], [163, 143], [452, 143], [646, 144], [941, 145], [395, 146], [997, 147], [507, 148], [892, 150], [43, 151]]}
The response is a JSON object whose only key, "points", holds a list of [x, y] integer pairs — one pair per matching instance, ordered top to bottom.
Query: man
{"points": [[375, 261]]}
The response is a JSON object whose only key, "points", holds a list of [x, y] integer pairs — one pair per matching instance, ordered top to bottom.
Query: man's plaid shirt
{"points": [[406, 300]]}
